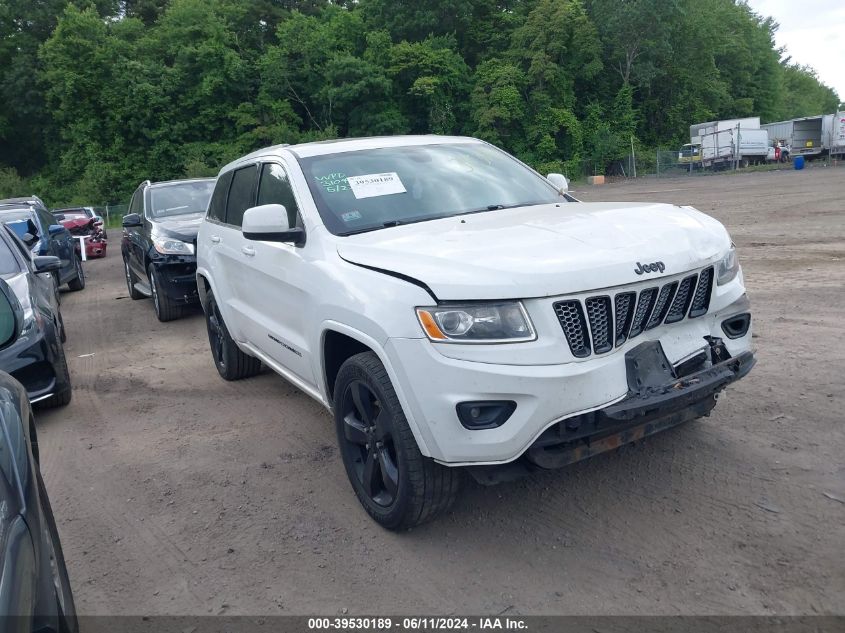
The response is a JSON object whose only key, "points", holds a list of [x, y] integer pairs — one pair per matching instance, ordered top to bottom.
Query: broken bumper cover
{"points": [[657, 400]]}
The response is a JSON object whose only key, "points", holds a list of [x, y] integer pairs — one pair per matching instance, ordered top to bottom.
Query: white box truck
{"points": [[834, 134], [803, 136], [738, 142]]}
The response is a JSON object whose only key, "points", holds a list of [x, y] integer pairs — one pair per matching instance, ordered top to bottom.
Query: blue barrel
{"points": [[798, 162]]}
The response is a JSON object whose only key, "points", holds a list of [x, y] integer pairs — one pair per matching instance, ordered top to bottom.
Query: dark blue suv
{"points": [[43, 235]]}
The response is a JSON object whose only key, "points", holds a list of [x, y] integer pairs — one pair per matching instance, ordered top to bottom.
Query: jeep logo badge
{"points": [[649, 268]]}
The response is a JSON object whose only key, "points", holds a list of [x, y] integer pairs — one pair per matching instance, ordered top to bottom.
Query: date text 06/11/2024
{"points": [[419, 623]]}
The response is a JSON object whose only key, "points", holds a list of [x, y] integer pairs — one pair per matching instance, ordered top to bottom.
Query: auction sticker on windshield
{"points": [[371, 185]]}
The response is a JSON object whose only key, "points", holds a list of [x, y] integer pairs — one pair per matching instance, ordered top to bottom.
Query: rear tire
{"points": [[78, 282], [166, 309], [231, 362], [398, 486]]}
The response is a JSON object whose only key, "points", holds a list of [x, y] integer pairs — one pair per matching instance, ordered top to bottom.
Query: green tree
{"points": [[802, 94]]}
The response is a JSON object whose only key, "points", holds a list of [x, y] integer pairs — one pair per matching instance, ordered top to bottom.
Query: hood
{"points": [[180, 227], [543, 250]]}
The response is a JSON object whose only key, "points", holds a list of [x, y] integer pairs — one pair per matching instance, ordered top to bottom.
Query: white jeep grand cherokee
{"points": [[453, 308]]}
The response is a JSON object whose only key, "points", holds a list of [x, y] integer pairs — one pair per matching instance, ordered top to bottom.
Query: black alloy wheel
{"points": [[165, 308], [231, 362], [368, 441], [396, 484]]}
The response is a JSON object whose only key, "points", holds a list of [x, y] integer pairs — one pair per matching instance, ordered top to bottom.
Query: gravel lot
{"points": [[179, 493]]}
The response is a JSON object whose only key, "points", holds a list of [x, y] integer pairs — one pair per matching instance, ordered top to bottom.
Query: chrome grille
{"points": [[600, 315], [571, 317], [596, 324]]}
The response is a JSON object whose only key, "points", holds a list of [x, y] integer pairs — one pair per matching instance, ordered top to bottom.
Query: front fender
{"points": [[204, 286], [379, 351]]}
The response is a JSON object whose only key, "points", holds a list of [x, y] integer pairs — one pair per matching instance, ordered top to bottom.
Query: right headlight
{"points": [[171, 246], [728, 267], [505, 322]]}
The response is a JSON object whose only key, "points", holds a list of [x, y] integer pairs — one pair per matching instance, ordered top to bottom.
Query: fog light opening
{"points": [[737, 326], [484, 414]]}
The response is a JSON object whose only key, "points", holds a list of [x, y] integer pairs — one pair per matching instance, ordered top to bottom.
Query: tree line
{"points": [[98, 95]]}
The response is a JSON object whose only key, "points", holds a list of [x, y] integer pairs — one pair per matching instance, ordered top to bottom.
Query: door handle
{"points": [[215, 239], [249, 251]]}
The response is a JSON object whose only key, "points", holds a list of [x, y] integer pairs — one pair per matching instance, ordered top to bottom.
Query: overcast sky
{"points": [[813, 32]]}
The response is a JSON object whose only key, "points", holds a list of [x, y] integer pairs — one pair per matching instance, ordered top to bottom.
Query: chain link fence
{"points": [[667, 163], [112, 213]]}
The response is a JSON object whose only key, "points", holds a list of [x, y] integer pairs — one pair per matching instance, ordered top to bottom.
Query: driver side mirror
{"points": [[559, 182], [131, 220], [269, 223], [55, 229], [46, 263], [11, 315]]}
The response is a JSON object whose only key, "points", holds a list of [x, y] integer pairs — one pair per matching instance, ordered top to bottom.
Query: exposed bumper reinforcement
{"points": [[657, 400]]}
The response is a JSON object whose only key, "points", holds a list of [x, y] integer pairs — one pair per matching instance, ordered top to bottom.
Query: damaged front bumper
{"points": [[660, 396]]}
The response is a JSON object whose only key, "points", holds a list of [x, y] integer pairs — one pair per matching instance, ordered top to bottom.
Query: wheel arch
{"points": [[203, 288], [351, 342]]}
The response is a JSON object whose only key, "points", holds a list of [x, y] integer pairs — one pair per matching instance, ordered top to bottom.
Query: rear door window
{"points": [[275, 188], [241, 194], [136, 204], [217, 205]]}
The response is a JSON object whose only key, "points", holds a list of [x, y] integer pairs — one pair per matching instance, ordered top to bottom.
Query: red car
{"points": [[80, 224]]}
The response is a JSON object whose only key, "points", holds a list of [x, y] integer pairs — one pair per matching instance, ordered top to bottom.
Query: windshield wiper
{"points": [[426, 218]]}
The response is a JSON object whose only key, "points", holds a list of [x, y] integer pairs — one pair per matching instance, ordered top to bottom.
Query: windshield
{"points": [[372, 189], [180, 199], [18, 215], [20, 221]]}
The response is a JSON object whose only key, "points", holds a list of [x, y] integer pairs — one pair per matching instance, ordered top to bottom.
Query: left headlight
{"points": [[170, 246], [728, 267], [31, 320], [477, 323]]}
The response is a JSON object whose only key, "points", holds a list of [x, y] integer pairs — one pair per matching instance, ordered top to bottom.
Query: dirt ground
{"points": [[179, 493]]}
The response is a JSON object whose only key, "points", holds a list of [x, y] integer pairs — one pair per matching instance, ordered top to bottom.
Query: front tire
{"points": [[131, 281], [78, 282], [166, 309], [231, 362], [64, 392], [398, 486]]}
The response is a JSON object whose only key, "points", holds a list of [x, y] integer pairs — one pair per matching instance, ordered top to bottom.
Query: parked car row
{"points": [[39, 252], [37, 256], [456, 311], [35, 592]]}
